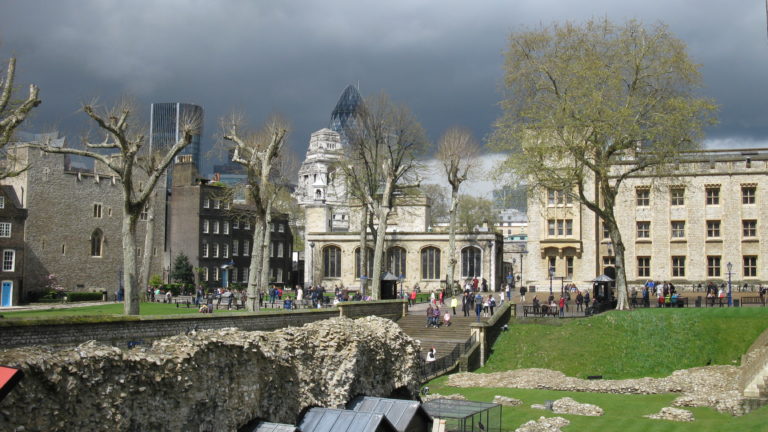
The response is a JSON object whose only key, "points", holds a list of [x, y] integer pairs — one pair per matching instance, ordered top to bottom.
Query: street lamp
{"points": [[312, 263], [729, 266], [551, 275], [400, 280]]}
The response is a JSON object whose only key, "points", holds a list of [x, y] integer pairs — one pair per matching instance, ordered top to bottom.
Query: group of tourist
{"points": [[220, 295]]}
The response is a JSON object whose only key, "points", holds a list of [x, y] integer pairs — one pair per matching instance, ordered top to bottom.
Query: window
{"points": [[748, 194], [713, 195], [677, 196], [550, 197], [559, 197], [643, 197], [2, 202], [206, 204], [227, 204], [217, 205], [97, 210], [144, 215], [235, 224], [247, 225], [205, 226], [216, 227], [226, 227], [272, 227], [551, 227], [560, 227], [569, 227], [280, 228], [713, 228], [749, 228], [5, 229], [644, 229], [678, 229], [606, 233], [97, 240], [235, 247], [246, 247], [280, 249], [205, 250], [225, 250], [215, 252], [9, 260], [396, 261], [609, 261], [332, 262], [430, 263], [358, 264], [471, 265], [678, 266], [713, 266], [750, 266], [569, 267], [643, 267], [246, 272], [215, 273], [205, 274], [234, 274], [279, 275]]}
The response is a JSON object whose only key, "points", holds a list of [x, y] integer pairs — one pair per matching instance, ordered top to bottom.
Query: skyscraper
{"points": [[343, 115], [165, 128]]}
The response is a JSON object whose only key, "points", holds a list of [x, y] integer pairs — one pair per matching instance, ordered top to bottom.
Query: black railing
{"points": [[442, 364]]}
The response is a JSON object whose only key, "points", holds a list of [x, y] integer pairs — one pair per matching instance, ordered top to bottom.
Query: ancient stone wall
{"points": [[209, 380]]}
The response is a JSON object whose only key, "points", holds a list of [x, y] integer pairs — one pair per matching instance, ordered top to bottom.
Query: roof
{"points": [[455, 409], [399, 412], [335, 420], [273, 427]]}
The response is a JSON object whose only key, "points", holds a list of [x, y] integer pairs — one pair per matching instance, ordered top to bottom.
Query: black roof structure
{"points": [[405, 415], [336, 420]]}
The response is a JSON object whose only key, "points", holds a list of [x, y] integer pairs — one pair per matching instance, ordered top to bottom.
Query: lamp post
{"points": [[312, 263], [551, 275], [363, 279], [400, 281], [730, 295]]}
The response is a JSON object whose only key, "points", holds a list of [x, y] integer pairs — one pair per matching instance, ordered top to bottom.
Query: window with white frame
{"points": [[748, 194], [712, 195], [677, 196], [643, 197], [2, 202], [206, 204], [217, 205], [206, 223], [235, 224], [247, 225], [215, 227], [226, 227], [280, 228], [5, 229], [643, 229], [235, 247], [246, 248], [280, 249], [205, 250], [225, 250], [215, 252], [9, 260], [246, 272], [215, 273], [205, 274], [234, 274], [279, 276]]}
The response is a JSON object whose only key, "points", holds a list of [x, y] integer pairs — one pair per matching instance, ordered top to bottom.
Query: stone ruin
{"points": [[209, 380]]}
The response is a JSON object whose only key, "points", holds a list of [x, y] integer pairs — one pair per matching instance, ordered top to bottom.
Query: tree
{"points": [[589, 105], [12, 114], [385, 141], [257, 152], [458, 154], [137, 171], [438, 200], [472, 212], [182, 270]]}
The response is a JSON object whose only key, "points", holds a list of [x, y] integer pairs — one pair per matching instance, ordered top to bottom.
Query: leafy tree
{"points": [[590, 105], [473, 211], [182, 270]]}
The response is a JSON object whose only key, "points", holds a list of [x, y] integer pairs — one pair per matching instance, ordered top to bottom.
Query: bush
{"points": [[84, 296]]}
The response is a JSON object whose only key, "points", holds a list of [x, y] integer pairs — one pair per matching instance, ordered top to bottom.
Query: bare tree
{"points": [[13, 114], [385, 143], [257, 153], [458, 154], [138, 176]]}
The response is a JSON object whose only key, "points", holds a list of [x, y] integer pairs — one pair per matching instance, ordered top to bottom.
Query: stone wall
{"points": [[119, 330], [210, 380]]}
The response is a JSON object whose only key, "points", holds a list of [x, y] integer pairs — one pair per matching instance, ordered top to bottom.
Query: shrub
{"points": [[83, 296]]}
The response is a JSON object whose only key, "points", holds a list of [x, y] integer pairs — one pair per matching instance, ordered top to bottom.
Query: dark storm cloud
{"points": [[442, 58]]}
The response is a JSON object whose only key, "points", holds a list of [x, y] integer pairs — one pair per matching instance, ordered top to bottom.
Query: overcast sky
{"points": [[442, 58]]}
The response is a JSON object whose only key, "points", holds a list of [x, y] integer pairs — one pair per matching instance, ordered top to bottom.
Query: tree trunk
{"points": [[381, 231], [149, 239], [452, 240], [266, 247], [364, 248], [129, 264], [254, 272], [621, 274]]}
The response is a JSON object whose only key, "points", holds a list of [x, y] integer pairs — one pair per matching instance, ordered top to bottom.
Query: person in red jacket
{"points": [[562, 307]]}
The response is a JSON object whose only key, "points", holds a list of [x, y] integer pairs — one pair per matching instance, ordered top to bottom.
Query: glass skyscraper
{"points": [[343, 117], [165, 128]]}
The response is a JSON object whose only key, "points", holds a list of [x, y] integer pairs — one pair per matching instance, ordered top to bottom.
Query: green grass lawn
{"points": [[109, 309], [645, 342], [623, 413]]}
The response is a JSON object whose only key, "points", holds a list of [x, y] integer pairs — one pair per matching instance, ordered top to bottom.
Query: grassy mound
{"points": [[616, 345]]}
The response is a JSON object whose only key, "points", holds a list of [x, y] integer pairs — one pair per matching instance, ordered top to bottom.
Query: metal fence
{"points": [[447, 362]]}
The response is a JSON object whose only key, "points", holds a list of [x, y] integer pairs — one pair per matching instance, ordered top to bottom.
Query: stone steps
{"points": [[444, 339]]}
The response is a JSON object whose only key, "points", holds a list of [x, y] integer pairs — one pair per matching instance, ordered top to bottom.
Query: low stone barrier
{"points": [[120, 330], [209, 380]]}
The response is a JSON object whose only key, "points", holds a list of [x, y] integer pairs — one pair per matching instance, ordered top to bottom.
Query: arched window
{"points": [[318, 194], [97, 243], [396, 261], [332, 262], [471, 262], [430, 263], [358, 264]]}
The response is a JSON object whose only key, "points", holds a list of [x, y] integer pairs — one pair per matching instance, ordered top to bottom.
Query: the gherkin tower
{"points": [[343, 116]]}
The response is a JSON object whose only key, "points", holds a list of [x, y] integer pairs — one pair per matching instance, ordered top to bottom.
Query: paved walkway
{"points": [[46, 306]]}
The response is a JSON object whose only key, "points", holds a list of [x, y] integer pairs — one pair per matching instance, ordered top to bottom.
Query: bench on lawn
{"points": [[184, 300], [752, 300]]}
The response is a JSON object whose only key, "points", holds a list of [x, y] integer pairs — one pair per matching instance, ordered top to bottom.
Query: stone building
{"points": [[12, 219], [74, 223], [684, 227], [217, 235]]}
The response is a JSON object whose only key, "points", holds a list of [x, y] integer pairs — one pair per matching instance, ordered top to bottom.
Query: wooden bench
{"points": [[184, 300], [752, 300], [715, 301], [224, 304], [540, 311]]}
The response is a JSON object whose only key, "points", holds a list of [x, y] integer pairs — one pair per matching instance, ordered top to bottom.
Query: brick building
{"points": [[12, 219]]}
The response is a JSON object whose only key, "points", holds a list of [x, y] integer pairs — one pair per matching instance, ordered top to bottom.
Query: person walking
{"points": [[523, 290], [454, 303], [465, 304], [492, 304], [478, 306], [562, 307]]}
